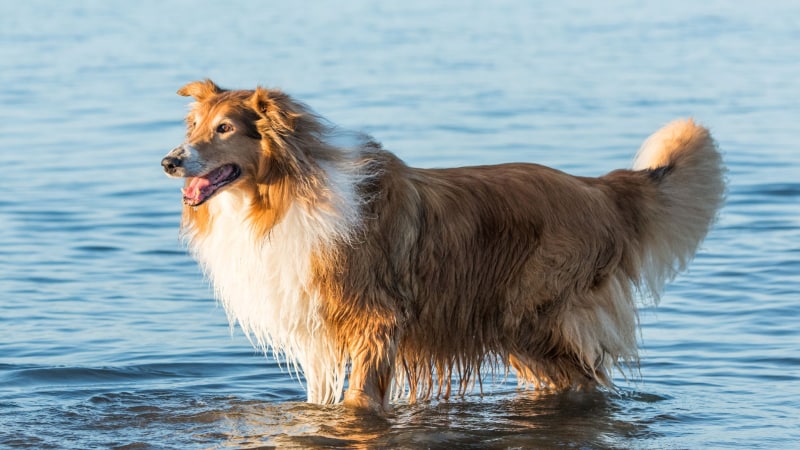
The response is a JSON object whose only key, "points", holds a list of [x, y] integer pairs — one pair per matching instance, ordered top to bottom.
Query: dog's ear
{"points": [[200, 90], [275, 107]]}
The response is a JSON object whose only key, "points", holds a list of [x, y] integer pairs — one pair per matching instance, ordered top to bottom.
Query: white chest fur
{"points": [[264, 284]]}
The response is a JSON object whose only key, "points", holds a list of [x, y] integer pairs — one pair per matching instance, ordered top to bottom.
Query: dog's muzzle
{"points": [[173, 163]]}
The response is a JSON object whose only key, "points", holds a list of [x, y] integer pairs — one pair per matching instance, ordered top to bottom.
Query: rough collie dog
{"points": [[339, 257]]}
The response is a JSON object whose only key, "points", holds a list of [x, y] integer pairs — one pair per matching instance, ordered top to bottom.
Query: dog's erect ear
{"points": [[200, 90], [260, 101], [275, 107]]}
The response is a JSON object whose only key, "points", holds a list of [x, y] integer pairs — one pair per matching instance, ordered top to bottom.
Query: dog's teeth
{"points": [[190, 192]]}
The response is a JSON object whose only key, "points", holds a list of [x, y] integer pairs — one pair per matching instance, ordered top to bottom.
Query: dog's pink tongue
{"points": [[193, 192]]}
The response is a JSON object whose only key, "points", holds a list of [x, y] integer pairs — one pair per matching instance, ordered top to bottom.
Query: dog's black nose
{"points": [[171, 164]]}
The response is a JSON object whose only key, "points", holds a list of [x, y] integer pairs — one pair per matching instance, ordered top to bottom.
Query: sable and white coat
{"points": [[340, 255]]}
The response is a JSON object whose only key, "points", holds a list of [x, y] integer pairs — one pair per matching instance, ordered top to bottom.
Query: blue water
{"points": [[109, 336]]}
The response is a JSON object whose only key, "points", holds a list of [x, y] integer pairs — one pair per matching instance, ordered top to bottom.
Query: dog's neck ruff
{"points": [[265, 281]]}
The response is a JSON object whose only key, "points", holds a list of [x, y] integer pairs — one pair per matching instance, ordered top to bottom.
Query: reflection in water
{"points": [[525, 419], [300, 424]]}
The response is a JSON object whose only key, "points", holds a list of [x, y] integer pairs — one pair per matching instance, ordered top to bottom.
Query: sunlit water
{"points": [[109, 336]]}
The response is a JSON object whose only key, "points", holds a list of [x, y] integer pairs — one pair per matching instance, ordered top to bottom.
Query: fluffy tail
{"points": [[684, 163]]}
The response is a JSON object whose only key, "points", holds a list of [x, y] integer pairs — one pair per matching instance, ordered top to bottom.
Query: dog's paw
{"points": [[365, 403]]}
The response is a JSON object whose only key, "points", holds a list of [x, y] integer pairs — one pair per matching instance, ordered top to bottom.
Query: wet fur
{"points": [[336, 254]]}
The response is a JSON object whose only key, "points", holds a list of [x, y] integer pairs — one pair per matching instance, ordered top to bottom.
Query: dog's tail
{"points": [[683, 162]]}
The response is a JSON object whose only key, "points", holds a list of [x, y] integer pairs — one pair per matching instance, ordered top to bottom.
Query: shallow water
{"points": [[109, 336]]}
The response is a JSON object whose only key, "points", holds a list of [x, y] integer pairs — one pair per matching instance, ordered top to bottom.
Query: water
{"points": [[109, 336]]}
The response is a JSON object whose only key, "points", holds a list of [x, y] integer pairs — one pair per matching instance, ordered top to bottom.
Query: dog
{"points": [[347, 263]]}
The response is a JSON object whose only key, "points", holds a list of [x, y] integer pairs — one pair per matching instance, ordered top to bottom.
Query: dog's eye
{"points": [[224, 128]]}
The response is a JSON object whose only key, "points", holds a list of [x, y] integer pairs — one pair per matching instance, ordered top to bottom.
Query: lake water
{"points": [[110, 337]]}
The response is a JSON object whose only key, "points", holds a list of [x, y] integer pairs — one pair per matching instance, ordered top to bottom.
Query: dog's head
{"points": [[240, 138]]}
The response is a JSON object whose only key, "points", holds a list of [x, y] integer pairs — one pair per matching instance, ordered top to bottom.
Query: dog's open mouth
{"points": [[200, 189]]}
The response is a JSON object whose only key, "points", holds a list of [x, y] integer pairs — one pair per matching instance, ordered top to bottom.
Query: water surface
{"points": [[109, 336]]}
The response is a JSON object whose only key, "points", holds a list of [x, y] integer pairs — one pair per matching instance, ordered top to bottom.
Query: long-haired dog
{"points": [[339, 257]]}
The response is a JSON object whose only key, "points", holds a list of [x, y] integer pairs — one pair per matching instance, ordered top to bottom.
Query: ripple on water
{"points": [[109, 335]]}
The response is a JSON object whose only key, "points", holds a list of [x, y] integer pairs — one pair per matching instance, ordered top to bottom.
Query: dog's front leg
{"points": [[372, 355]]}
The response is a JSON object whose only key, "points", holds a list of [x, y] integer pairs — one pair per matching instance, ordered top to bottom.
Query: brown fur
{"points": [[451, 271]]}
